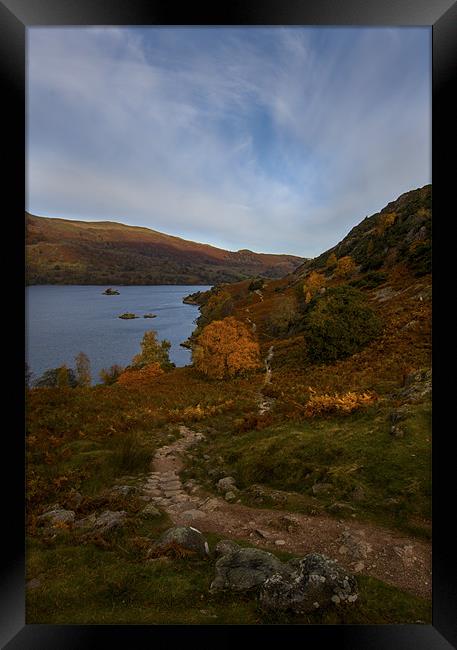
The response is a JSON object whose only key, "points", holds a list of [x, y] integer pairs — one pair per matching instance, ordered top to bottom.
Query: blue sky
{"points": [[275, 139]]}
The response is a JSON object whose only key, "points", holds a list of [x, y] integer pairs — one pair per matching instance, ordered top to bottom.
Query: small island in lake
{"points": [[111, 292], [128, 315], [150, 316]]}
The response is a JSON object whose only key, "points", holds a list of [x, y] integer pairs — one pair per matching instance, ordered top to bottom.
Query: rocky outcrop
{"points": [[418, 386], [226, 484], [56, 517], [104, 523], [185, 537], [244, 569], [316, 581], [300, 585]]}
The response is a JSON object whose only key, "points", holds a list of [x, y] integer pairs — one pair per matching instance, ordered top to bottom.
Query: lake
{"points": [[62, 321]]}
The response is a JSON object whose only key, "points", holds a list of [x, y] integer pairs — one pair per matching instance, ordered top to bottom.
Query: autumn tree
{"points": [[385, 220], [345, 267], [313, 282], [225, 348], [153, 351], [83, 374]]}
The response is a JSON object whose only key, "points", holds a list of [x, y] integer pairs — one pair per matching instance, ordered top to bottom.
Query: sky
{"points": [[277, 139]]}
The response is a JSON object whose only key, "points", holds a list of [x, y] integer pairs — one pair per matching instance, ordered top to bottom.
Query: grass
{"points": [[385, 479], [85, 584]]}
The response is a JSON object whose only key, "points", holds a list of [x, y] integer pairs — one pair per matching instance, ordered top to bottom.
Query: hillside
{"points": [[61, 251], [386, 256], [323, 448]]}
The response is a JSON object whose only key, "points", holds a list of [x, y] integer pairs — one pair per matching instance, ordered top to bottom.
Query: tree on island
{"points": [[225, 348]]}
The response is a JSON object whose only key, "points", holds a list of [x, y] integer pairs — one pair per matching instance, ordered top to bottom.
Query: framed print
{"points": [[227, 261]]}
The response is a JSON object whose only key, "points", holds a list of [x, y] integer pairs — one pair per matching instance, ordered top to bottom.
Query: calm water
{"points": [[65, 320]]}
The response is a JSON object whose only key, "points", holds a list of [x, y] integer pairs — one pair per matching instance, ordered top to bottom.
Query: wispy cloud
{"points": [[277, 139]]}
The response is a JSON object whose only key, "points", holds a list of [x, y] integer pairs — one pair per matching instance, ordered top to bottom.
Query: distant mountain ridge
{"points": [[63, 251]]}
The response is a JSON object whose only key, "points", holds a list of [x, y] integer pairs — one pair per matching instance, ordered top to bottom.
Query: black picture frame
{"points": [[15, 17]]}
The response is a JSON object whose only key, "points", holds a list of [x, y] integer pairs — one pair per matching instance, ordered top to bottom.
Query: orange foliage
{"points": [[385, 220], [346, 266], [313, 282], [226, 348], [140, 377], [345, 403], [198, 412]]}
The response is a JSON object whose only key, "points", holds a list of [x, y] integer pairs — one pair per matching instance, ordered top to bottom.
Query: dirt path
{"points": [[360, 547]]}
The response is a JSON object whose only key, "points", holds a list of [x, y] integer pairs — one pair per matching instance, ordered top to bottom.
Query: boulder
{"points": [[226, 484], [322, 488], [124, 490], [230, 496], [150, 511], [57, 516], [109, 520], [186, 537], [224, 547], [245, 569], [316, 581]]}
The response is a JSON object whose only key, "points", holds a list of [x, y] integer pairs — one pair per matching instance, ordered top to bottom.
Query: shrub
{"points": [[345, 267], [369, 281], [257, 283], [283, 316], [339, 323], [225, 348], [135, 377], [346, 403], [130, 454]]}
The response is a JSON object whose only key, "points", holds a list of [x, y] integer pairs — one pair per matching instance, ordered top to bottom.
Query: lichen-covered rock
{"points": [[226, 484], [124, 490], [149, 511], [57, 516], [109, 520], [185, 536], [224, 547], [245, 569], [316, 581]]}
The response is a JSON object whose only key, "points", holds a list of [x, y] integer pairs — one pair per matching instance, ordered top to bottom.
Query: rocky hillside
{"points": [[399, 234], [61, 251], [379, 275]]}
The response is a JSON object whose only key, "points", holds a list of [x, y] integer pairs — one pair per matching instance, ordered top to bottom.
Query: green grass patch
{"points": [[383, 478], [88, 585]]}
